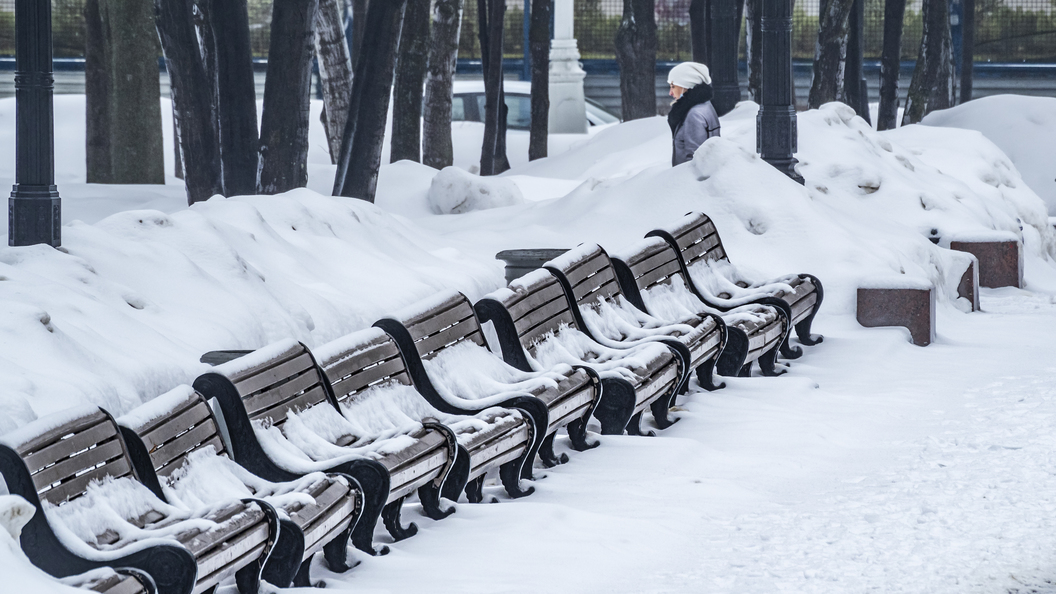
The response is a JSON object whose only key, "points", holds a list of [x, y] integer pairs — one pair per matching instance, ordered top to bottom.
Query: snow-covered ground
{"points": [[873, 465]]}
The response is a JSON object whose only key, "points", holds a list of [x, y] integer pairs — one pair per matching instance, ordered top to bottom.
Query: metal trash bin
{"points": [[521, 262]]}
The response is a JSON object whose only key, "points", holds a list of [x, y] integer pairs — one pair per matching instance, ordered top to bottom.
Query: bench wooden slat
{"points": [[692, 230], [701, 250], [579, 271], [601, 273], [660, 275], [609, 290], [545, 293], [541, 315], [442, 322], [467, 330], [529, 336], [381, 348], [394, 366], [269, 376], [275, 401], [277, 414], [171, 425], [186, 443], [103, 452], [49, 453], [177, 463], [118, 468]]}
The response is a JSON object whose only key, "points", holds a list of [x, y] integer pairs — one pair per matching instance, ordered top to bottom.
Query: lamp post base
{"points": [[34, 215]]}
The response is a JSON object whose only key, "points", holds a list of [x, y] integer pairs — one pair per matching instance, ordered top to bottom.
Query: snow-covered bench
{"points": [[651, 278], [718, 283], [603, 312], [537, 330], [446, 352], [368, 376], [284, 422], [177, 450], [15, 512], [92, 512]]}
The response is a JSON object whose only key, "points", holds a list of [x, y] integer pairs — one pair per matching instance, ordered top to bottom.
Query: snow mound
{"points": [[1023, 127], [455, 191]]}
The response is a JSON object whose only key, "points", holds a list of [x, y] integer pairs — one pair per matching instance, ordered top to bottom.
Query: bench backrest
{"points": [[696, 238], [651, 263], [590, 275], [537, 304], [449, 322], [365, 359], [287, 381], [182, 423], [65, 458]]}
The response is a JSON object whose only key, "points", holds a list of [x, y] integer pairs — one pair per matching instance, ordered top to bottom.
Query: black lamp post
{"points": [[724, 29], [775, 127], [34, 214]]}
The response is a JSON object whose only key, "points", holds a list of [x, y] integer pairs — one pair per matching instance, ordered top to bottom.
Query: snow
{"points": [[1024, 128], [455, 191], [872, 465], [20, 575]]}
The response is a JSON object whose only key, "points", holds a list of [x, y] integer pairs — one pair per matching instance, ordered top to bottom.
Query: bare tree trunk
{"points": [[753, 23], [359, 27], [698, 30], [539, 46], [967, 49], [830, 52], [636, 56], [411, 63], [890, 64], [335, 71], [932, 84], [855, 89], [192, 94], [236, 95], [287, 96], [96, 98], [123, 129], [361, 144], [437, 150], [493, 152], [177, 159]]}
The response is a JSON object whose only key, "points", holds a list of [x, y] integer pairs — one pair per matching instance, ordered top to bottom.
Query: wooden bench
{"points": [[697, 241], [589, 280], [448, 321], [536, 329], [754, 332], [368, 365], [259, 390], [161, 436], [57, 458], [122, 581]]}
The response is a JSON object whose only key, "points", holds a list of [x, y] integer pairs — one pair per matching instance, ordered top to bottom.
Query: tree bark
{"points": [[753, 23], [359, 27], [725, 29], [698, 30], [539, 46], [967, 49], [830, 52], [636, 57], [890, 63], [335, 71], [410, 77], [932, 84], [855, 91], [192, 94], [236, 95], [287, 96], [123, 138], [361, 144], [437, 150], [493, 152]]}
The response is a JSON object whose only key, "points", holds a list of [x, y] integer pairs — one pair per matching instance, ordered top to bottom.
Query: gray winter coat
{"points": [[702, 122]]}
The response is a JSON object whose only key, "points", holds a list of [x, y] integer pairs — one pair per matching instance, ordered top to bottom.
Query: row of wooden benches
{"points": [[305, 450]]}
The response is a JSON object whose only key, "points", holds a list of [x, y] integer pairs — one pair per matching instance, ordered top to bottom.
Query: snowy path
{"points": [[905, 470]]}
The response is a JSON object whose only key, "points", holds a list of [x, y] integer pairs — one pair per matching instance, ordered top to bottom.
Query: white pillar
{"points": [[567, 108]]}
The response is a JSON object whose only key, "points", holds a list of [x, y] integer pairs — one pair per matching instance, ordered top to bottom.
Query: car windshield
{"points": [[600, 113]]}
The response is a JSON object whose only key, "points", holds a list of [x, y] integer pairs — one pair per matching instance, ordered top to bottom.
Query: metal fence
{"points": [[1006, 30]]}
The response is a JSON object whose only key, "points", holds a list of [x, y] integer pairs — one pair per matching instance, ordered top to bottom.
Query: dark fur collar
{"points": [[680, 109]]}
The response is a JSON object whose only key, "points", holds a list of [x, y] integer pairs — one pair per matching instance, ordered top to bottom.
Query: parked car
{"points": [[467, 105]]}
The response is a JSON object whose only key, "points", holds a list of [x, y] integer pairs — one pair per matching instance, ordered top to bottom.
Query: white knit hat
{"points": [[688, 75]]}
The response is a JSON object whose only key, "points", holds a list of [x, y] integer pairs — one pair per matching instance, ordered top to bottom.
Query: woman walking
{"points": [[692, 118]]}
